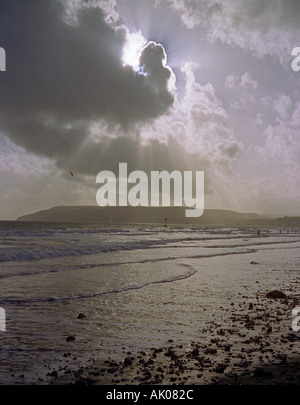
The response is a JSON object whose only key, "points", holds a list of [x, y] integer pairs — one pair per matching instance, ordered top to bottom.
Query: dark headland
{"points": [[174, 215]]}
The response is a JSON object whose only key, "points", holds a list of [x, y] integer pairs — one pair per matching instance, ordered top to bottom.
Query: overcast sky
{"points": [[159, 84]]}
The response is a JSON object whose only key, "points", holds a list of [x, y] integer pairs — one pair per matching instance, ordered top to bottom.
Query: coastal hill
{"points": [[174, 215]]}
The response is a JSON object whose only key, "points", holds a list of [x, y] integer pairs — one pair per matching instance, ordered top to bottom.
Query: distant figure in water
{"points": [[71, 174], [166, 220], [280, 231], [258, 232]]}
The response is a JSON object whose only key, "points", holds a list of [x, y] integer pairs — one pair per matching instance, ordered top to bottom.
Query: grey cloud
{"points": [[262, 27], [151, 60], [61, 77], [245, 81], [282, 105], [206, 119]]}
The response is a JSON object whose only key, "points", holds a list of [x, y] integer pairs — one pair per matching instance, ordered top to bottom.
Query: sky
{"points": [[202, 85]]}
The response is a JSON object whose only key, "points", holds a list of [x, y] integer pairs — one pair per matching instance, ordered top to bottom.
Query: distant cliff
{"points": [[174, 215]]}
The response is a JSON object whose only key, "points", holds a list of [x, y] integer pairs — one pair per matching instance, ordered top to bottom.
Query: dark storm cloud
{"points": [[61, 77]]}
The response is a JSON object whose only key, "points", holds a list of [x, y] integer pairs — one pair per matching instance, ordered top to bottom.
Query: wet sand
{"points": [[251, 350]]}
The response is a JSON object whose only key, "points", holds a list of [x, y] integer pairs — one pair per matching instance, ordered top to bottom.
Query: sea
{"points": [[116, 289]]}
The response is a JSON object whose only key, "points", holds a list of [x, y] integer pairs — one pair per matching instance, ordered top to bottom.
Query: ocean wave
{"points": [[37, 252], [45, 252], [124, 263], [54, 299]]}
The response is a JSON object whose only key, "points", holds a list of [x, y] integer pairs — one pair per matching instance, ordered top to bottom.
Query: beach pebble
{"points": [[276, 294], [211, 351], [195, 352], [127, 361], [220, 368], [259, 372], [53, 374]]}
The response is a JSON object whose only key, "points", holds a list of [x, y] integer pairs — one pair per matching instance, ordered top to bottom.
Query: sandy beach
{"points": [[159, 307], [254, 346]]}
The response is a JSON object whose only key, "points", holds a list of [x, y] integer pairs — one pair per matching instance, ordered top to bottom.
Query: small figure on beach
{"points": [[166, 220], [258, 232]]}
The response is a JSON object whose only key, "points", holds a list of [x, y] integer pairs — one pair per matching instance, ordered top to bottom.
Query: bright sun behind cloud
{"points": [[132, 50]]}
